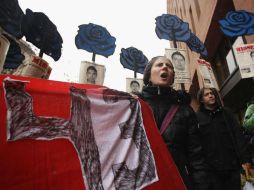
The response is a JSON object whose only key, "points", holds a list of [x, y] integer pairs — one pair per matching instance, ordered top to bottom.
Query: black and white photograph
{"points": [[179, 59], [91, 73], [207, 74], [134, 85]]}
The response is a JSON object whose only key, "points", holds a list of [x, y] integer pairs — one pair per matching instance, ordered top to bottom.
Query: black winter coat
{"points": [[181, 136], [222, 139]]}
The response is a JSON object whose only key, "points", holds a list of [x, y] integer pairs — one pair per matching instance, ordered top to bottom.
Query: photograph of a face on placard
{"points": [[244, 55], [180, 61], [91, 73], [134, 85]]}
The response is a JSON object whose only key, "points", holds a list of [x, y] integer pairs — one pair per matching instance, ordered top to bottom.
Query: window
{"points": [[223, 62]]}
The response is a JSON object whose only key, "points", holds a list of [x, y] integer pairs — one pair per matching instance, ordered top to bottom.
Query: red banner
{"points": [[42, 164]]}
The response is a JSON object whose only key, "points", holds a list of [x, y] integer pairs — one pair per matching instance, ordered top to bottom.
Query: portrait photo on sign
{"points": [[244, 55], [179, 59], [91, 73], [206, 73], [134, 85]]}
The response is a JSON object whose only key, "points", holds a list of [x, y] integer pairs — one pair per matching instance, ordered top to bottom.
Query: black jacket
{"points": [[181, 136], [222, 139]]}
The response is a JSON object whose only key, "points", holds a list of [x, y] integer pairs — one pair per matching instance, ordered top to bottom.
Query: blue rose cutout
{"points": [[11, 17], [237, 23], [170, 27], [41, 32], [95, 39], [196, 45], [133, 59]]}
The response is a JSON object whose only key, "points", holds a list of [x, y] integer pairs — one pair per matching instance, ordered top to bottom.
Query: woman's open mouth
{"points": [[164, 75]]}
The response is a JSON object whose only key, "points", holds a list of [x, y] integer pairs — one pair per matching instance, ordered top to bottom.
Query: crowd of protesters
{"points": [[209, 147]]}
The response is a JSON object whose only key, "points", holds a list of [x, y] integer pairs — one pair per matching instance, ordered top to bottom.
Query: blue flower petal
{"points": [[11, 17], [237, 23], [170, 27], [42, 33], [95, 39], [132, 56]]}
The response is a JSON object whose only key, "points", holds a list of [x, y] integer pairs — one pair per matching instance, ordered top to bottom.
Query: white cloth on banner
{"points": [[105, 127]]}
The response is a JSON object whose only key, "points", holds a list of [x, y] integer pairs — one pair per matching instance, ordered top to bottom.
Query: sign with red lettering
{"points": [[244, 55], [35, 67], [207, 74]]}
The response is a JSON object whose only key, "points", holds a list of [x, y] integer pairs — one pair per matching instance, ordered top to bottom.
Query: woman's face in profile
{"points": [[162, 72]]}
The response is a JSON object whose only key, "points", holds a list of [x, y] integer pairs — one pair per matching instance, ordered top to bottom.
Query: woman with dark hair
{"points": [[180, 133]]}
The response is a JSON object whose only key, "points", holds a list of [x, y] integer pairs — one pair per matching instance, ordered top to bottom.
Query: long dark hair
{"points": [[200, 95]]}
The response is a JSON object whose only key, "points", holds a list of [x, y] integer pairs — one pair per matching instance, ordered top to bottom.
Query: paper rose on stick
{"points": [[11, 17], [237, 23], [170, 27], [41, 32], [95, 39], [133, 59]]}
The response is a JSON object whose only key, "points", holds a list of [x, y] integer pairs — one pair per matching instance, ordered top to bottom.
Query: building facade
{"points": [[203, 17]]}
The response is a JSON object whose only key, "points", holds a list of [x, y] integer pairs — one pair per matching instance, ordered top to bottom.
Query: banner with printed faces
{"points": [[244, 55], [180, 61], [91, 73], [207, 74], [134, 85]]}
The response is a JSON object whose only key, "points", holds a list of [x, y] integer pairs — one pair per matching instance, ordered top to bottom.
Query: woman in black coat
{"points": [[180, 136]]}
